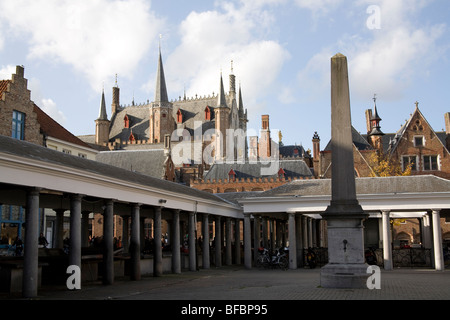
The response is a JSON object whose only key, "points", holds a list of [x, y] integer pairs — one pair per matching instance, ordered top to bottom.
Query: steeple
{"points": [[161, 89], [221, 100], [240, 102], [102, 114], [375, 120]]}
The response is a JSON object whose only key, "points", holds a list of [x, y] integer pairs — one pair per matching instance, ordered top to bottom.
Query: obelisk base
{"points": [[346, 267], [344, 276]]}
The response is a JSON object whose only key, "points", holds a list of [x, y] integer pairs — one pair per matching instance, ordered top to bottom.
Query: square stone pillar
{"points": [[346, 267]]}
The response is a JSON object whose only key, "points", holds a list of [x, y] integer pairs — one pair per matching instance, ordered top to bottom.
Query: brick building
{"points": [[22, 119]]}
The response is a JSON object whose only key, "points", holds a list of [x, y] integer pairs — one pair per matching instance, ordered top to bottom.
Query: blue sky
{"points": [[281, 50]]}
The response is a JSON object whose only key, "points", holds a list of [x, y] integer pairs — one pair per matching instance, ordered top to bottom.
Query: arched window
{"points": [[207, 113], [179, 116], [281, 174], [232, 175]]}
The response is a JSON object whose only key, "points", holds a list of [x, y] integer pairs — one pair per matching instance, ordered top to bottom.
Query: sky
{"points": [[397, 50]]}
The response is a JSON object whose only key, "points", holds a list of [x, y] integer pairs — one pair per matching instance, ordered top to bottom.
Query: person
{"points": [[43, 241], [19, 246]]}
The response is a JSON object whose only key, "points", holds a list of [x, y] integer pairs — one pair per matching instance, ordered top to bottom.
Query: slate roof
{"points": [[53, 129], [358, 140], [293, 151], [35, 152], [148, 162], [292, 169], [397, 184]]}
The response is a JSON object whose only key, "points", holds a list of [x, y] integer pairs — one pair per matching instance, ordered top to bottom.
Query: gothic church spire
{"points": [[161, 89]]}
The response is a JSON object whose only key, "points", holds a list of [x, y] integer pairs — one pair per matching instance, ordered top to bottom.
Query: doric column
{"points": [[59, 228], [75, 230], [305, 232], [310, 233], [427, 234], [256, 236], [265, 238], [192, 240], [299, 240], [108, 241], [237, 241], [247, 241], [437, 241], [135, 242], [218, 242], [292, 242], [387, 247], [205, 249], [157, 250], [228, 252], [176, 254], [30, 263]]}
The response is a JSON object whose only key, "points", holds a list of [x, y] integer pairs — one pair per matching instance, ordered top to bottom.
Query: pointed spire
{"points": [[161, 90], [221, 101], [240, 101], [102, 114]]}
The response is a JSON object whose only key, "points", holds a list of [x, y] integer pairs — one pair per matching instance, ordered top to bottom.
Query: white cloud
{"points": [[318, 6], [97, 38], [211, 39], [383, 61], [7, 71], [47, 105]]}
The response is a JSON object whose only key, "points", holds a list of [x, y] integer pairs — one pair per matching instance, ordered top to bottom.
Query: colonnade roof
{"points": [[31, 165], [370, 185], [396, 194]]}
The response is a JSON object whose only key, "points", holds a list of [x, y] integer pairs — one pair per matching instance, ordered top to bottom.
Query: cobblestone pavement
{"points": [[238, 284]]}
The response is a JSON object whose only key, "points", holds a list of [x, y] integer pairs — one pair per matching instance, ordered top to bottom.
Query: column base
{"points": [[344, 276]]}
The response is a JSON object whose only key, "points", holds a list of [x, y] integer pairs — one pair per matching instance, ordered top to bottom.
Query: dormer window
{"points": [[207, 114], [179, 116], [126, 121], [132, 138], [281, 174], [232, 175]]}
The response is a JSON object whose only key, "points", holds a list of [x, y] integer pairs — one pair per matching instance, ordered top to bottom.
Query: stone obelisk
{"points": [[344, 216]]}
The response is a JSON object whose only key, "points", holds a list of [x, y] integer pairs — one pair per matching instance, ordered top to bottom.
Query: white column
{"points": [[75, 230], [175, 239], [108, 240], [192, 240], [218, 241], [237, 241], [247, 241], [437, 241], [292, 242], [135, 243], [387, 247], [205, 249], [157, 250], [228, 251], [30, 253]]}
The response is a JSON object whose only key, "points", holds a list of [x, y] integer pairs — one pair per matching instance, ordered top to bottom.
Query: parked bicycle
{"points": [[277, 259]]}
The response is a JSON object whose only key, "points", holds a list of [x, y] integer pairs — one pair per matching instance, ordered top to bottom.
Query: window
{"points": [[207, 114], [126, 122], [18, 125], [419, 141], [67, 151], [82, 155], [409, 160], [430, 163]]}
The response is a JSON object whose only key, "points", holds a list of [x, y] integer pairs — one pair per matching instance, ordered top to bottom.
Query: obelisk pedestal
{"points": [[346, 267]]}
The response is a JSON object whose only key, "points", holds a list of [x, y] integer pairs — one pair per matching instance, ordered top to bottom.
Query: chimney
{"points": [[368, 120], [447, 122], [265, 142]]}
